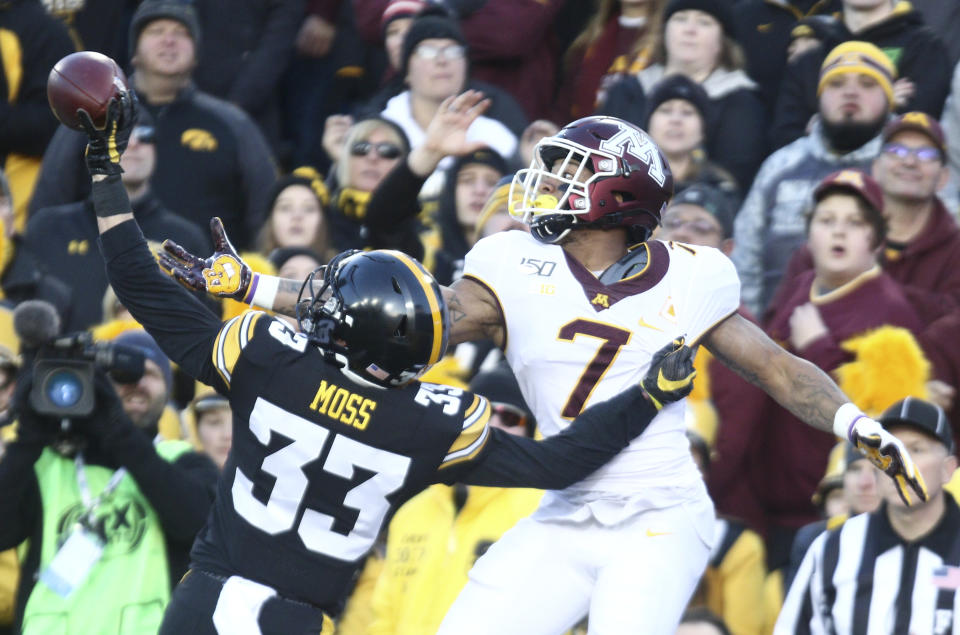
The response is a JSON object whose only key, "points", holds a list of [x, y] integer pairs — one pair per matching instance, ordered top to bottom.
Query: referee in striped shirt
{"points": [[895, 571]]}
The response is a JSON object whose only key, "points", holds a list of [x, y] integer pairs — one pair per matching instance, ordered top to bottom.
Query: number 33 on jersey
{"points": [[324, 458]]}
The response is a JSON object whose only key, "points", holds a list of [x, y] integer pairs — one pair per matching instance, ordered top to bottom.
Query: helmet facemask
{"points": [[563, 164]]}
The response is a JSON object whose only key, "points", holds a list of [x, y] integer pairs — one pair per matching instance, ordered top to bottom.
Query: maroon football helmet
{"points": [[596, 172]]}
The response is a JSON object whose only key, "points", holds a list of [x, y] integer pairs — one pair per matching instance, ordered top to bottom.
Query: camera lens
{"points": [[64, 388]]}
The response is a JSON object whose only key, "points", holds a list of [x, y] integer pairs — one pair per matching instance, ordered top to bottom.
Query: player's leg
{"points": [[660, 558], [532, 581]]}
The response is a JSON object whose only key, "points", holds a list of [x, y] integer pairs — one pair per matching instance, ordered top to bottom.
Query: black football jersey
{"points": [[319, 461]]}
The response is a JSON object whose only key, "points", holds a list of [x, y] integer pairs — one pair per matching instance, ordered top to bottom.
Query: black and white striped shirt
{"points": [[864, 579]]}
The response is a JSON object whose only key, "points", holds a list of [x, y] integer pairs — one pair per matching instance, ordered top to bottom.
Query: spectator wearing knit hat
{"points": [[396, 19], [698, 42], [919, 57], [434, 66], [855, 97], [679, 117], [212, 159]]}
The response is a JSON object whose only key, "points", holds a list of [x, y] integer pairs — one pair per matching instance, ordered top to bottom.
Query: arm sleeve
{"points": [[256, 81], [395, 199], [391, 218], [184, 328], [595, 436], [181, 492], [19, 494]]}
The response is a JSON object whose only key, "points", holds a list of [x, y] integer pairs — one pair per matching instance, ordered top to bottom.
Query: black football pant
{"points": [[191, 611]]}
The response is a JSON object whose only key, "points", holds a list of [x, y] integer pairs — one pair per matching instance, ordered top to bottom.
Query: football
{"points": [[87, 80]]}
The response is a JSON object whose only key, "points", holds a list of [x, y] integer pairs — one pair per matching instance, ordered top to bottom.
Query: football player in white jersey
{"points": [[579, 305]]}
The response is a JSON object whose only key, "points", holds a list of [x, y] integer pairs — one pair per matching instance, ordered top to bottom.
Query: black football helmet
{"points": [[629, 181], [379, 313]]}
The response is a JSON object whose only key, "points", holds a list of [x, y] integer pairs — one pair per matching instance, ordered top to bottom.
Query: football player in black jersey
{"points": [[332, 432]]}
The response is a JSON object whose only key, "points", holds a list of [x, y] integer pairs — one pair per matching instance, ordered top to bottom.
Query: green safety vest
{"points": [[129, 587]]}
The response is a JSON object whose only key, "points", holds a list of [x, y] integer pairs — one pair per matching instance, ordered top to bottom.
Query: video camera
{"points": [[63, 373]]}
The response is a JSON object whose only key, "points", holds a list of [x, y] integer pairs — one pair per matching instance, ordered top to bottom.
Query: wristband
{"points": [[109, 197], [263, 291], [844, 420]]}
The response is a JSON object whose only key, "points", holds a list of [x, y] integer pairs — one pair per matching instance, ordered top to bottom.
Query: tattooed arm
{"points": [[474, 313], [799, 386]]}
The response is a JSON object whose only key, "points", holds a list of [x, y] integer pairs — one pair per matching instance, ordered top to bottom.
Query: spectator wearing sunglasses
{"points": [[435, 67], [363, 154], [62, 239], [436, 536]]}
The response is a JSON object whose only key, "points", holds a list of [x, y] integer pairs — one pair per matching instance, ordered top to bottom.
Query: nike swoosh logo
{"points": [[763, 28], [646, 324], [653, 534]]}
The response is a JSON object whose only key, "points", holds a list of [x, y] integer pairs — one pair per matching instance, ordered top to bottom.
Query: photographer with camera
{"points": [[110, 509]]}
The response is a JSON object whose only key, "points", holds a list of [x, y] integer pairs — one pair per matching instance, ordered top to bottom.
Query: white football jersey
{"points": [[573, 341]]}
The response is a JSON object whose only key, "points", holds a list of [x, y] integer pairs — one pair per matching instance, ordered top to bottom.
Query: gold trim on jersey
{"points": [[646, 267], [844, 289], [428, 290], [231, 340], [474, 434]]}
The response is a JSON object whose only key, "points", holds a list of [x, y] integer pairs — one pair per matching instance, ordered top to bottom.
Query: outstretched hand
{"points": [[447, 132], [107, 144], [224, 274], [671, 374], [888, 453]]}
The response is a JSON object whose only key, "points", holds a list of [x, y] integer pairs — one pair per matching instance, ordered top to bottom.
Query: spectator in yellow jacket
{"points": [[434, 538]]}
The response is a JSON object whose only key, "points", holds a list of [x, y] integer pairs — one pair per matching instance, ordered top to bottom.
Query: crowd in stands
{"points": [[814, 142]]}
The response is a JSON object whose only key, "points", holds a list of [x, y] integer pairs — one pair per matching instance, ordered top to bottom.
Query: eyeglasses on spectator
{"points": [[449, 52], [384, 149], [924, 154]]}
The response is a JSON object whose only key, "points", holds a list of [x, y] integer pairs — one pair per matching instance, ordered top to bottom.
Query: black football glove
{"points": [[108, 143], [224, 274], [671, 373]]}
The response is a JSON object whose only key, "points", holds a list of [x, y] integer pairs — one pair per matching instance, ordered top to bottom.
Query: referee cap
{"points": [[923, 416]]}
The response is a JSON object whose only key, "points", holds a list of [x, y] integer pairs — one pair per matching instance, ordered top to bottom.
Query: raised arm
{"points": [[474, 312], [184, 328], [811, 395]]}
